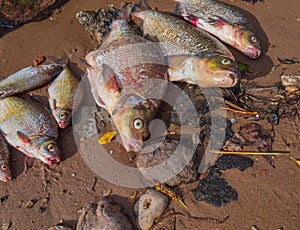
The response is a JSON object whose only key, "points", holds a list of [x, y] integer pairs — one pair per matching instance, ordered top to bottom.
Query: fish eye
{"points": [[253, 39], [225, 62], [62, 116], [138, 124], [51, 148], [4, 167]]}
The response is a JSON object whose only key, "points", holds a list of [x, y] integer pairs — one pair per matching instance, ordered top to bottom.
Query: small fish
{"points": [[223, 21], [209, 70], [118, 72], [28, 79], [65, 94], [29, 127], [5, 172]]}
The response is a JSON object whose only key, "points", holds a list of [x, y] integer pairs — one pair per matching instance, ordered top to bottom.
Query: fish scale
{"points": [[209, 8], [225, 22], [178, 37], [118, 72], [28, 79], [65, 94], [29, 127]]}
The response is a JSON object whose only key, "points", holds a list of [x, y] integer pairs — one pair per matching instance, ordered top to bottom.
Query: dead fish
{"points": [[223, 21], [177, 36], [194, 56], [209, 70], [119, 73], [28, 79], [64, 96], [29, 127], [5, 172]]}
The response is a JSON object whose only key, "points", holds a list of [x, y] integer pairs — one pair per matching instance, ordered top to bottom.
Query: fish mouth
{"points": [[253, 52], [226, 79], [63, 124], [131, 144], [52, 160], [5, 178]]}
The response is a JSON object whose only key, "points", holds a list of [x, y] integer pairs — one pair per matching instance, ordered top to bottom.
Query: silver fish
{"points": [[224, 21], [194, 56], [118, 73], [28, 79], [64, 96], [29, 127]]}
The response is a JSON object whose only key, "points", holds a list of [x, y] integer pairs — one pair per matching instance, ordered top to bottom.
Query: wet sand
{"points": [[269, 198]]}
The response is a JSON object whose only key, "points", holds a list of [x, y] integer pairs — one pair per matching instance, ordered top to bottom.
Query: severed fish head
{"points": [[208, 70], [132, 120], [47, 151], [5, 172]]}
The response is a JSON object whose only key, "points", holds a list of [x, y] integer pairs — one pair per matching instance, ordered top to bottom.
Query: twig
{"points": [[234, 105], [241, 112], [283, 153], [92, 188], [195, 217]]}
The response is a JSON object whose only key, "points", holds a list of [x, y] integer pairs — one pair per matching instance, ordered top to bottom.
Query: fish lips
{"points": [[252, 52], [226, 79], [131, 144], [52, 160], [5, 177]]}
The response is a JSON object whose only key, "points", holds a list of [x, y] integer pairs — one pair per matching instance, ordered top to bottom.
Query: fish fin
{"points": [[192, 19], [217, 20], [176, 61], [86, 65], [110, 79], [53, 104], [23, 138], [28, 163]]}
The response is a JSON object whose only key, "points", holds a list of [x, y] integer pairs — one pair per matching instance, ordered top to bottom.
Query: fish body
{"points": [[223, 21], [177, 36], [194, 56], [123, 73], [28, 79], [64, 96], [29, 127], [5, 172]]}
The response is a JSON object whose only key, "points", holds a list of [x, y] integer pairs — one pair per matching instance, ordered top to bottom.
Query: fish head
{"points": [[248, 43], [52, 69], [217, 70], [63, 117], [132, 123], [48, 151], [5, 172]]}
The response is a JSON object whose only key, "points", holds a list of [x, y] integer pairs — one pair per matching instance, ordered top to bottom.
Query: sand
{"points": [[269, 198]]}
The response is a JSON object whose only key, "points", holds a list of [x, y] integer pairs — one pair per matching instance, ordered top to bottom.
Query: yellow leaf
{"points": [[106, 138], [297, 161]]}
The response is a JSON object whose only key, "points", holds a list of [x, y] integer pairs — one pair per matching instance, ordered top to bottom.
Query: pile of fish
{"points": [[189, 45], [25, 123]]}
